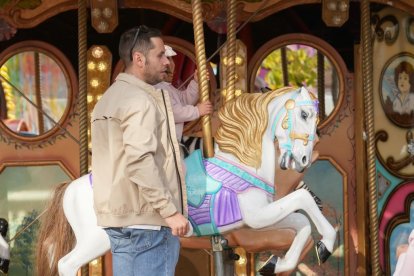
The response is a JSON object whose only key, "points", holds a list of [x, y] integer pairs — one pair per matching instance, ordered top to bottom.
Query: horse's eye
{"points": [[304, 115]]}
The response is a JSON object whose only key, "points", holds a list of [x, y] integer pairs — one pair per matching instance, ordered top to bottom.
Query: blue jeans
{"points": [[141, 252]]}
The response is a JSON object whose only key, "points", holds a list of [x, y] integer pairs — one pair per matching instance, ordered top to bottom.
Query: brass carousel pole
{"points": [[231, 50], [367, 80], [203, 82], [82, 100]]}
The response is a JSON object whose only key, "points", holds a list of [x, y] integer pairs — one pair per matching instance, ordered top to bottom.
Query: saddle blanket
{"points": [[212, 188]]}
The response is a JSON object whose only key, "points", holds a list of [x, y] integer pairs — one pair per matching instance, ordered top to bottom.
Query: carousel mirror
{"points": [[300, 62], [35, 90]]}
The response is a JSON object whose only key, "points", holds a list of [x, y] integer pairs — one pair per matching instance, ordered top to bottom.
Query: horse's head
{"points": [[294, 126]]}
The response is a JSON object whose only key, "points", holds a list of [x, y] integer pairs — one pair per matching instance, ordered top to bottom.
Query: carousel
{"points": [[309, 151]]}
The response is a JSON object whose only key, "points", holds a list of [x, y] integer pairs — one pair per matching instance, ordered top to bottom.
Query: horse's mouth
{"points": [[289, 162]]}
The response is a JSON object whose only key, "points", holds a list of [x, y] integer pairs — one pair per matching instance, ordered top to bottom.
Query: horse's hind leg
{"points": [[302, 226], [91, 240], [94, 244]]}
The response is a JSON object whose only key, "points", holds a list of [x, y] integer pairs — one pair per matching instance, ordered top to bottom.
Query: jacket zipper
{"points": [[175, 156]]}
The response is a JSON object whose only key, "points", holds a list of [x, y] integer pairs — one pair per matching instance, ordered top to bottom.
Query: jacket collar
{"points": [[136, 81]]}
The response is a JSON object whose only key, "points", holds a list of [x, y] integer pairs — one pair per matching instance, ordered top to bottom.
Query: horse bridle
{"points": [[287, 122]]}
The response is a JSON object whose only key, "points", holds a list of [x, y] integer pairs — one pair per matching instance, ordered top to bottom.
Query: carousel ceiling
{"points": [[23, 14]]}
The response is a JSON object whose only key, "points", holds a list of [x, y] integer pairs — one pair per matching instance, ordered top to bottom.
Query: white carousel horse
{"points": [[190, 144], [240, 183], [4, 247]]}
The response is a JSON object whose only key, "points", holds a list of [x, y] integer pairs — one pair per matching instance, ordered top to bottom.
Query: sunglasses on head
{"points": [[140, 30]]}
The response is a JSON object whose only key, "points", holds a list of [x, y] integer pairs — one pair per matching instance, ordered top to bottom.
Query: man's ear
{"points": [[139, 59]]}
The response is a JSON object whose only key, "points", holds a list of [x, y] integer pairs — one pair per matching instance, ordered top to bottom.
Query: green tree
{"points": [[301, 67], [23, 249]]}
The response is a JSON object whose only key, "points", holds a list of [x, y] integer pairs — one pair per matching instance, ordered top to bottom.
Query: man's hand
{"points": [[205, 108], [178, 224]]}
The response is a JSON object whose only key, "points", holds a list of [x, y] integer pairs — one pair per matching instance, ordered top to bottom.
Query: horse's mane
{"points": [[243, 123]]}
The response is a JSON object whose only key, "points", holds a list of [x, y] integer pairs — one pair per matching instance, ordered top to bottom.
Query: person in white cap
{"points": [[183, 101]]}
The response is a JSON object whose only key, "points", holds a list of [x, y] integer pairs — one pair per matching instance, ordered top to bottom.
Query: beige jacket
{"points": [[137, 174]]}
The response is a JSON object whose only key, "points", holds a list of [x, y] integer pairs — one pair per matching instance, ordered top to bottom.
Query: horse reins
{"points": [[287, 122]]}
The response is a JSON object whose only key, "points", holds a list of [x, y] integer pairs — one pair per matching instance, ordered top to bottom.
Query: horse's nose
{"points": [[304, 160]]}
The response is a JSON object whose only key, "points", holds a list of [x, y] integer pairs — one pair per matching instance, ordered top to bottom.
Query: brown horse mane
{"points": [[55, 238]]}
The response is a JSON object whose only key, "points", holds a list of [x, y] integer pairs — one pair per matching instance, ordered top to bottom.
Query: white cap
{"points": [[169, 52]]}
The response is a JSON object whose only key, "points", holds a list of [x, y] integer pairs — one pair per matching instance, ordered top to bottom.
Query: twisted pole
{"points": [[231, 50], [367, 81], [203, 82], [321, 85], [82, 100]]}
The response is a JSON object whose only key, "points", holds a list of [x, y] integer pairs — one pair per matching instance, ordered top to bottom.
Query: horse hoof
{"points": [[322, 252], [268, 268]]}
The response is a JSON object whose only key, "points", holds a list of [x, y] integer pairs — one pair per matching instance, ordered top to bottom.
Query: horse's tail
{"points": [[56, 237]]}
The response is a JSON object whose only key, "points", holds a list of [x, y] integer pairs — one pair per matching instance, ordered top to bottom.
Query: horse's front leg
{"points": [[258, 212]]}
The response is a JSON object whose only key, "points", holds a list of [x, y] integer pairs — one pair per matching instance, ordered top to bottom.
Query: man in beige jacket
{"points": [[138, 184]]}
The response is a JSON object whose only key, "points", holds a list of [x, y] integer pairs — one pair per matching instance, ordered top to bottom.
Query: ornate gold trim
{"points": [[182, 8], [27, 18], [382, 135], [50, 136], [5, 165]]}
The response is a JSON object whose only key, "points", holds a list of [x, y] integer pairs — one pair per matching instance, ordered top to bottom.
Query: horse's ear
{"points": [[311, 94]]}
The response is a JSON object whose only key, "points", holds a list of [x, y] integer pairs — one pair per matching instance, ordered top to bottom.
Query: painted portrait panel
{"points": [[397, 90]]}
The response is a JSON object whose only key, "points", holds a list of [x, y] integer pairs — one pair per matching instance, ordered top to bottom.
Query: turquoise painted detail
{"points": [[276, 120], [288, 144], [243, 174], [196, 175], [198, 182], [394, 182], [213, 186], [212, 222], [207, 229]]}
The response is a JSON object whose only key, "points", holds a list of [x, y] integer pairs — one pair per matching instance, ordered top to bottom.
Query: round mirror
{"points": [[300, 60], [35, 88]]}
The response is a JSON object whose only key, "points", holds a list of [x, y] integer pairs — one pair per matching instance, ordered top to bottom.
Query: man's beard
{"points": [[153, 79]]}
